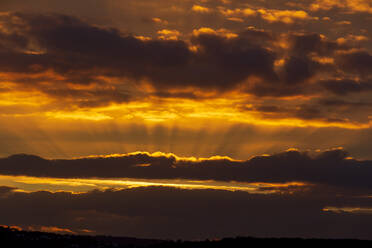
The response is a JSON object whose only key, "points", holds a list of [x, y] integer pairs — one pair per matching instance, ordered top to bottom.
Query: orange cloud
{"points": [[350, 5], [200, 9], [237, 12], [269, 15], [284, 16], [159, 21], [219, 32], [168, 34], [83, 185], [51, 229]]}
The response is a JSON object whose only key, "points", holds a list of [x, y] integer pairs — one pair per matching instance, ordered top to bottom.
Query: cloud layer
{"points": [[193, 78], [332, 168], [159, 212]]}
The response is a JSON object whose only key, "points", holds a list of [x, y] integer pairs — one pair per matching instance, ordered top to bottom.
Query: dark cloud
{"points": [[305, 44], [73, 47], [52, 53], [81, 53], [359, 62], [300, 67], [297, 70], [345, 86], [277, 89], [344, 103], [331, 110], [304, 111], [330, 167], [4, 190], [160, 212]]}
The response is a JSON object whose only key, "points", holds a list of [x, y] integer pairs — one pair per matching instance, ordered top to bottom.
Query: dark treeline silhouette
{"points": [[10, 237], [14, 238]]}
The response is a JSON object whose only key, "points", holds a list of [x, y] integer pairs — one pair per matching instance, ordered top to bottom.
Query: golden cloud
{"points": [[350, 5], [200, 9], [269, 15]]}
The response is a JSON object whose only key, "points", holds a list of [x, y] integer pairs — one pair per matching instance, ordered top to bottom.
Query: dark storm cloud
{"points": [[304, 44], [74, 47], [80, 53], [359, 62], [299, 67], [298, 70], [346, 86], [344, 103], [332, 109], [330, 167], [160, 212]]}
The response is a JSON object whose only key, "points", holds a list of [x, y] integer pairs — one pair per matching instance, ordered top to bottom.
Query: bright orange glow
{"points": [[200, 9], [269, 15], [285, 16], [221, 32], [167, 34], [154, 111], [167, 155], [79, 185], [53, 229]]}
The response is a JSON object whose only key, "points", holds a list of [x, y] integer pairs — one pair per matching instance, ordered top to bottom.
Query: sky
{"points": [[187, 119]]}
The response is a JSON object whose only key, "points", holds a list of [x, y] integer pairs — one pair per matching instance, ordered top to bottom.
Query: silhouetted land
{"points": [[14, 238]]}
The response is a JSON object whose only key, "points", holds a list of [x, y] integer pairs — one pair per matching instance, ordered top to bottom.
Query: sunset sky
{"points": [[187, 119]]}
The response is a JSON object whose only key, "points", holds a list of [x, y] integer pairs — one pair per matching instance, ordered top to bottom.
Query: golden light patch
{"points": [[200, 9], [237, 13], [270, 15], [285, 16], [235, 19], [159, 21], [220, 32], [167, 34], [143, 38], [351, 38], [323, 60], [279, 62], [12, 94], [187, 111], [78, 115], [167, 155], [79, 185], [18, 228], [50, 229]]}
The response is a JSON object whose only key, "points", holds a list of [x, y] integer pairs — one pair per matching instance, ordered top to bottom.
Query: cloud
{"points": [[353, 6], [200, 9], [269, 15], [285, 16], [166, 34], [314, 43], [72, 48], [62, 51], [358, 62], [77, 65], [345, 87], [330, 167], [5, 190], [161, 212]]}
